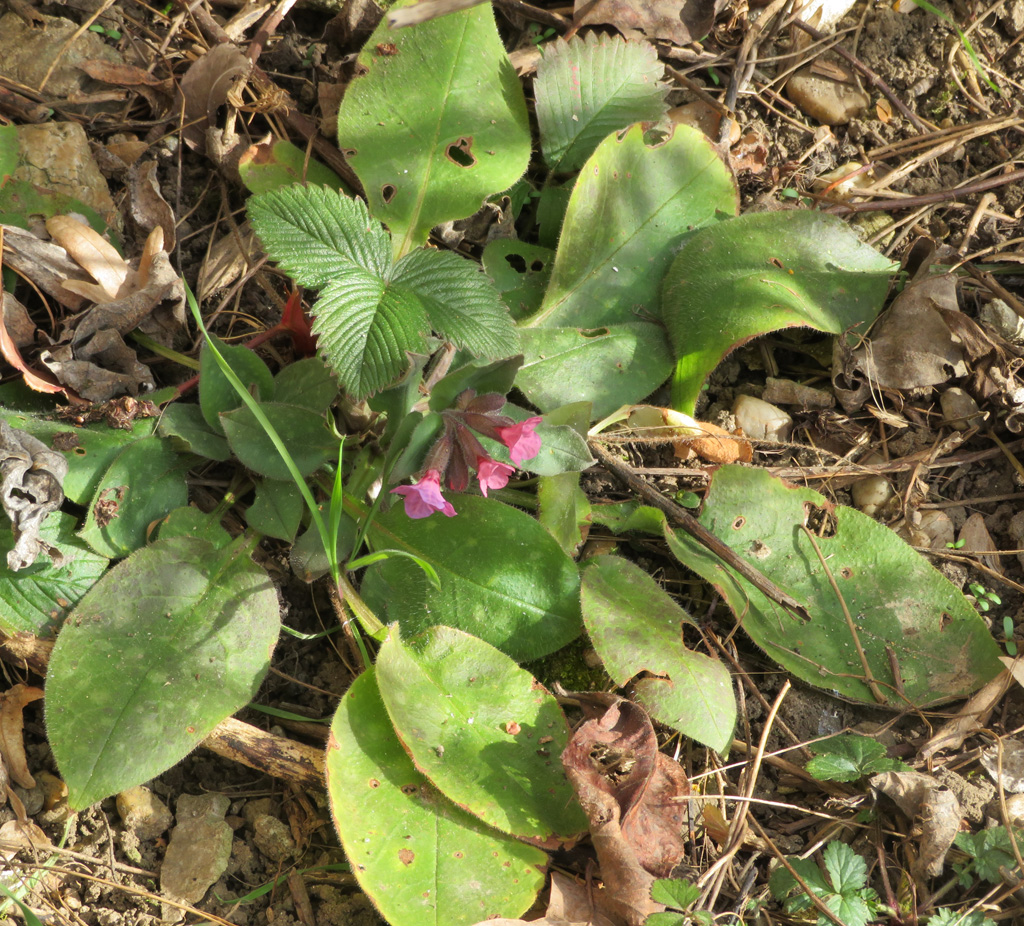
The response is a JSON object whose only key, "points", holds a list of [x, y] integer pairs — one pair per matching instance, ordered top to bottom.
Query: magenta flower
{"points": [[522, 442], [492, 474], [424, 498]]}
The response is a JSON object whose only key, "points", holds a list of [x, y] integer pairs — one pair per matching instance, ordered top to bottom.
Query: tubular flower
{"points": [[522, 442], [492, 474], [424, 498]]}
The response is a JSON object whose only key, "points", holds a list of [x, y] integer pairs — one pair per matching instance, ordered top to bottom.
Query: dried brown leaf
{"points": [[677, 21], [205, 88], [148, 206], [94, 254], [33, 476], [12, 727]]}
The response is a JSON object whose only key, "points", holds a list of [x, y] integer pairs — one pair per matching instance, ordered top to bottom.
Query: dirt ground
{"points": [[108, 875]]}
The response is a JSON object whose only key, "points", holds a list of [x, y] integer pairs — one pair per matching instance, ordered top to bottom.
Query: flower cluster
{"points": [[457, 451]]}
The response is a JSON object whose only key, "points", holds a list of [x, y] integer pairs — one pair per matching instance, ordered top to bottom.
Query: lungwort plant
{"points": [[443, 766]]}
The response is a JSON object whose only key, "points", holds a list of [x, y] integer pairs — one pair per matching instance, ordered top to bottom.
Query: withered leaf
{"points": [[677, 21], [32, 479], [12, 726]]}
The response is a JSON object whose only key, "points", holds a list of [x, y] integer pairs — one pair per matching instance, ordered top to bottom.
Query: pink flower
{"points": [[522, 442], [492, 474], [424, 498]]}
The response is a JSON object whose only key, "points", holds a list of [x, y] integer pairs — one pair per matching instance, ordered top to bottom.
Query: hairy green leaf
{"points": [[587, 88], [435, 123], [318, 235], [760, 272], [887, 599], [163, 648], [472, 721], [423, 861]]}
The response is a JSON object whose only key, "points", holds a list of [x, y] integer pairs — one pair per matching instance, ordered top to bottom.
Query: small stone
{"points": [[1013, 17], [829, 101], [998, 317], [960, 410], [760, 420], [872, 494], [143, 813], [273, 838], [198, 852]]}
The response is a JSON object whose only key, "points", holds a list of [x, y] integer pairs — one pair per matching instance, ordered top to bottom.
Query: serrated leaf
{"points": [[587, 88], [435, 123], [318, 235], [761, 272], [459, 300], [367, 330], [144, 482], [503, 577], [36, 599], [903, 610], [636, 628], [189, 652], [455, 702], [849, 757], [423, 861], [848, 871], [674, 893]]}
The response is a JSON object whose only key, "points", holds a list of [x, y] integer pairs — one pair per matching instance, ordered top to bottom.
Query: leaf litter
{"points": [[898, 391]]}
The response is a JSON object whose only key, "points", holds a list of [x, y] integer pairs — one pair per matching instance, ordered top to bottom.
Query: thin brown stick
{"points": [[880, 85], [939, 196], [997, 289], [680, 517]]}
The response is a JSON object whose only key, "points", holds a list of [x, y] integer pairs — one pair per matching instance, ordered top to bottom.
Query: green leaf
{"points": [[587, 88], [436, 123], [267, 167], [630, 208], [319, 235], [763, 271], [520, 272], [459, 301], [610, 366], [479, 375], [307, 383], [217, 395], [188, 432], [304, 432], [91, 450], [144, 481], [564, 508], [277, 509], [191, 522], [308, 558], [503, 577], [36, 599], [903, 611], [636, 628], [136, 681], [472, 721], [849, 757], [423, 861], [847, 870], [674, 893]]}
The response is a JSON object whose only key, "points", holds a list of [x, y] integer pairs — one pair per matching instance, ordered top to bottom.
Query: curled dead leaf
{"points": [[688, 436], [33, 476], [12, 724]]}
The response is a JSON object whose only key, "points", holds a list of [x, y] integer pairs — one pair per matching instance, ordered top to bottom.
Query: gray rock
{"points": [[829, 101], [143, 813], [273, 838], [198, 852]]}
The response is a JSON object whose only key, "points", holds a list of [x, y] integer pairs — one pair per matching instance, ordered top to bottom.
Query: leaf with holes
{"points": [[588, 88], [434, 123], [761, 272], [371, 315], [891, 629], [637, 630], [158, 652], [482, 730], [423, 861]]}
